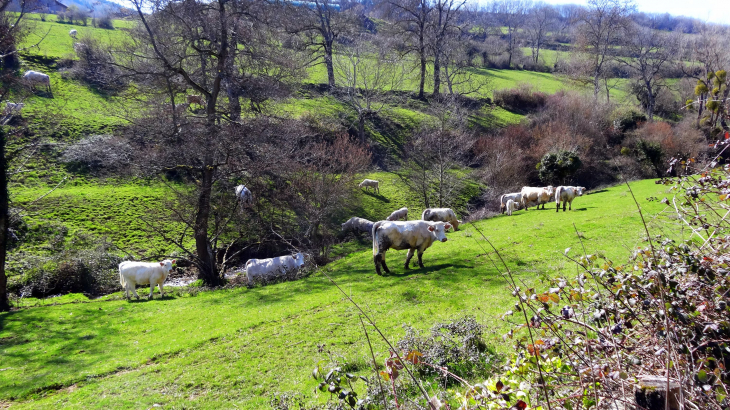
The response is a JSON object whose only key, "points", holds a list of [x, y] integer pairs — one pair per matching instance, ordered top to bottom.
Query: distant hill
{"points": [[94, 7]]}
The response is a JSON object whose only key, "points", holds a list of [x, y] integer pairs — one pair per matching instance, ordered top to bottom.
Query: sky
{"points": [[715, 11]]}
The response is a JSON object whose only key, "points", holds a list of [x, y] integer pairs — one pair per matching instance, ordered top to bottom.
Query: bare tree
{"points": [[511, 14], [412, 17], [541, 21], [321, 23], [444, 23], [599, 33], [192, 46], [648, 52], [369, 72], [457, 72]]}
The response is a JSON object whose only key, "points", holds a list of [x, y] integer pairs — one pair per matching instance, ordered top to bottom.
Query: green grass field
{"points": [[236, 348]]}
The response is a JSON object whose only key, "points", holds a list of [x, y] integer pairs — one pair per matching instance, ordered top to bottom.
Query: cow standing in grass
{"points": [[34, 77], [370, 183], [566, 194], [515, 196], [536, 196], [398, 214], [441, 215], [358, 225], [411, 235], [132, 274]]}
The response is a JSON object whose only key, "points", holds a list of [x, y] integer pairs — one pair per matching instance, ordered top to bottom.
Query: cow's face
{"points": [[550, 189], [579, 190], [439, 230], [299, 258], [167, 264]]}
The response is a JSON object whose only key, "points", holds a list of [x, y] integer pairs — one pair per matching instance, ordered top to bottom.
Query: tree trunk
{"points": [[422, 52], [328, 63], [436, 74], [701, 100], [649, 101], [361, 128], [4, 225], [206, 260]]}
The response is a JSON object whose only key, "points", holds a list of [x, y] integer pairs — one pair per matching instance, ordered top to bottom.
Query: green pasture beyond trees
{"points": [[237, 347]]}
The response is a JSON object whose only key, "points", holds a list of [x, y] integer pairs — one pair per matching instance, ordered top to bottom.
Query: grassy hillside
{"points": [[235, 348]]}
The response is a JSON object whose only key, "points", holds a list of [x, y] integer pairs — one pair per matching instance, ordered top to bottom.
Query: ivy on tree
{"points": [[558, 166]]}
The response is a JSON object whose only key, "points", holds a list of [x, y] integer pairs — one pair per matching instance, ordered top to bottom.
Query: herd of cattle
{"points": [[395, 232]]}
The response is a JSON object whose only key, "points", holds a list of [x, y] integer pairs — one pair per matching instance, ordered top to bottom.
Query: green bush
{"points": [[557, 167]]}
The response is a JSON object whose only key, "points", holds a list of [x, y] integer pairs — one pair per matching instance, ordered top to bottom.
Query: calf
{"points": [[73, 33], [370, 183], [566, 194], [515, 196], [536, 196], [511, 206], [398, 215], [441, 215], [358, 225], [411, 235], [270, 267], [132, 274]]}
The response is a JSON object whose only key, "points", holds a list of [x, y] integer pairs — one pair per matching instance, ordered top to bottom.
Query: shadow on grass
{"points": [[597, 192], [379, 197]]}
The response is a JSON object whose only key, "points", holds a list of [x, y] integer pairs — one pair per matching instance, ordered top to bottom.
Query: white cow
{"points": [[73, 33], [34, 77], [13, 108], [370, 183], [567, 194], [244, 195], [515, 196], [536, 196], [511, 206], [398, 215], [441, 215], [358, 225], [411, 235], [281, 265], [132, 274]]}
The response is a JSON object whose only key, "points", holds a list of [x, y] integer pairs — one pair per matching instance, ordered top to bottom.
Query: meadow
{"points": [[237, 347]]}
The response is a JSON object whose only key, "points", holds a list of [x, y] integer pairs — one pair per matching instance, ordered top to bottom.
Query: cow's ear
{"points": [[447, 226], [430, 228], [173, 261], [162, 264]]}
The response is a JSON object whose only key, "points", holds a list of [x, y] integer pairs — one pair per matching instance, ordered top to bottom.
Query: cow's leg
{"points": [[570, 205], [557, 206], [409, 256], [420, 257], [382, 261], [152, 289], [134, 290], [162, 295]]}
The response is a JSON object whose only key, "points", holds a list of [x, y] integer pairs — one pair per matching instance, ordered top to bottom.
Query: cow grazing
{"points": [[73, 33], [34, 77], [195, 99], [13, 108], [370, 183], [566, 194], [244, 195], [515, 196], [536, 196], [511, 206], [398, 215], [441, 215], [358, 225], [411, 235], [265, 268], [132, 274]]}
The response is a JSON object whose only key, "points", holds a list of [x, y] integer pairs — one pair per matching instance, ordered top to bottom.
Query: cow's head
{"points": [[550, 190], [579, 190], [439, 230], [299, 259], [167, 264]]}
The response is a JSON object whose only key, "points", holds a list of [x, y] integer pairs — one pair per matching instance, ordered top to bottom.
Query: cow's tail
{"points": [[557, 194], [376, 237], [121, 278]]}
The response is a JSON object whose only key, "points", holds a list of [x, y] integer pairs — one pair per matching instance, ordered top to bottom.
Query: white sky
{"points": [[716, 11]]}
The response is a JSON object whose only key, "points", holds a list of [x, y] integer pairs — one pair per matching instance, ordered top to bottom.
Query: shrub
{"points": [[105, 22], [96, 65], [524, 98], [628, 121], [98, 154], [558, 167]]}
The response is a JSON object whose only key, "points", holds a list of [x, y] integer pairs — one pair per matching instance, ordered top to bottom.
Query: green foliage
{"points": [[628, 121], [652, 154], [557, 167], [251, 342]]}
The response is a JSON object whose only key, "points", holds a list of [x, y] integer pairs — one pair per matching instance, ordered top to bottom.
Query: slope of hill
{"points": [[238, 347]]}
